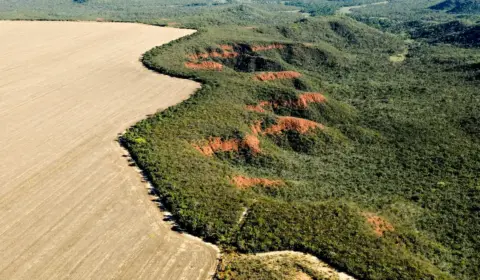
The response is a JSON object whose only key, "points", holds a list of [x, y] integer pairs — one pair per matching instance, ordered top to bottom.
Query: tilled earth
{"points": [[71, 207]]}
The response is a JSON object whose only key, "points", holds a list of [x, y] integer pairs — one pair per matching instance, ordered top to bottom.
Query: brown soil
{"points": [[226, 47], [268, 47], [225, 54], [204, 65], [270, 76], [310, 97], [302, 102], [259, 107], [292, 123], [256, 128], [253, 143], [216, 144], [243, 182], [70, 206], [379, 224], [283, 259], [300, 275]]}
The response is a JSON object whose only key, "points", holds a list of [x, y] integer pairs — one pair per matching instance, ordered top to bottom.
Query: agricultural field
{"points": [[325, 139], [70, 204]]}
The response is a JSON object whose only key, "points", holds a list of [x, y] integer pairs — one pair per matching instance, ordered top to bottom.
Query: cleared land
{"points": [[348, 10], [70, 206]]}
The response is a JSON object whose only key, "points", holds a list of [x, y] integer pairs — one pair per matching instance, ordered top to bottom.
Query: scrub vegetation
{"points": [[333, 148], [384, 182]]}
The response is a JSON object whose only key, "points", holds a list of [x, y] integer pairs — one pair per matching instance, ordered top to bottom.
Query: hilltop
{"points": [[458, 6]]}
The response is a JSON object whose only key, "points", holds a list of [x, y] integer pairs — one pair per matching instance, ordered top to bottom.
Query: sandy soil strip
{"points": [[348, 9], [70, 206], [312, 262]]}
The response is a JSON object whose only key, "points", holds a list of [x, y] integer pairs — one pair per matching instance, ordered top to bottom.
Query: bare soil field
{"points": [[71, 207]]}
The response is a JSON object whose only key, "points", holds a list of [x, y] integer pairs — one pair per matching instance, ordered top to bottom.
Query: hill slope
{"points": [[458, 6], [453, 32], [330, 148]]}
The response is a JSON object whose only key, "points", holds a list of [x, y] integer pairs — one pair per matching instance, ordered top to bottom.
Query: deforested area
{"points": [[71, 207]]}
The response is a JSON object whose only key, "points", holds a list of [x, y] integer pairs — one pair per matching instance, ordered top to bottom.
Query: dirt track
{"points": [[70, 206]]}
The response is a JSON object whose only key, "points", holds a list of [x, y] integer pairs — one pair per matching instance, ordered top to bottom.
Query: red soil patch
{"points": [[100, 20], [173, 23], [226, 47], [268, 47], [225, 54], [204, 65], [270, 76], [310, 97], [302, 102], [259, 107], [292, 123], [256, 128], [253, 143], [216, 144], [243, 182], [380, 226], [302, 276]]}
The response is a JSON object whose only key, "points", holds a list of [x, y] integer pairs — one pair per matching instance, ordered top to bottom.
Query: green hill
{"points": [[459, 6], [454, 32], [307, 136], [334, 150]]}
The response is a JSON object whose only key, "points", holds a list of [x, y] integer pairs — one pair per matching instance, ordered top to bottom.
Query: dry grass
{"points": [[267, 47], [243, 182]]}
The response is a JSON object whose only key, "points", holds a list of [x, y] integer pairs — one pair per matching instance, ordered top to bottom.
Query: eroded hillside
{"points": [[317, 142]]}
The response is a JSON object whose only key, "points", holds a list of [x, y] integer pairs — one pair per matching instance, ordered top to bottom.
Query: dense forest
{"points": [[458, 6], [354, 138]]}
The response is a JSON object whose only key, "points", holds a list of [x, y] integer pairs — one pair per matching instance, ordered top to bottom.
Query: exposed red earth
{"points": [[226, 47], [267, 47], [224, 54], [204, 65], [282, 75], [310, 97], [302, 102], [259, 108], [292, 123], [217, 144], [243, 182], [379, 225]]}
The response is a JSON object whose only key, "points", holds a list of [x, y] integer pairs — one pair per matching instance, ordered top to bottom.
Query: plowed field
{"points": [[71, 207]]}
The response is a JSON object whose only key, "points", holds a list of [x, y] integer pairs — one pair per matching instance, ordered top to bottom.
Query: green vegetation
{"points": [[458, 6], [401, 140], [404, 146]]}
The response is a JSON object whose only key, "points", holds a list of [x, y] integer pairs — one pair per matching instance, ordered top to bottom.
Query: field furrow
{"points": [[70, 205]]}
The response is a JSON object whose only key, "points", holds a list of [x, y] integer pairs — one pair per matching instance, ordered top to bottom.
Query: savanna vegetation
{"points": [[307, 136]]}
